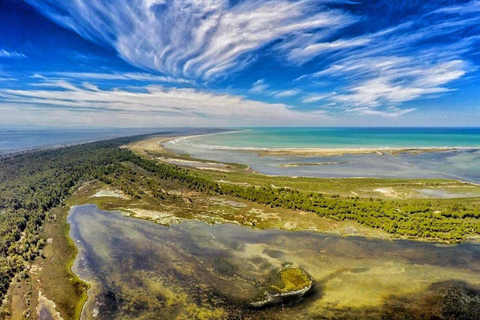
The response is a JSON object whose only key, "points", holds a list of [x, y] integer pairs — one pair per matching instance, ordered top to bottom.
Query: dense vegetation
{"points": [[34, 183], [439, 219]]}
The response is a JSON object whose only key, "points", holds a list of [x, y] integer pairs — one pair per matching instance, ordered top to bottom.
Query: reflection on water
{"points": [[461, 164], [194, 270]]}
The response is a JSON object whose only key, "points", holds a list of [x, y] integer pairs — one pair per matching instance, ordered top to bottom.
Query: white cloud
{"points": [[192, 38], [311, 50], [11, 54], [401, 63], [372, 73], [138, 76], [399, 81], [260, 86], [286, 93], [317, 97], [153, 105], [391, 112]]}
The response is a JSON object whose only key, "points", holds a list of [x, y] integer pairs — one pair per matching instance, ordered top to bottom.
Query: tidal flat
{"points": [[140, 269]]}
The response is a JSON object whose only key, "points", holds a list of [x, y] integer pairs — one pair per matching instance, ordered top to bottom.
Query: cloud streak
{"points": [[197, 39], [11, 54], [339, 54], [415, 59], [127, 76], [152, 105]]}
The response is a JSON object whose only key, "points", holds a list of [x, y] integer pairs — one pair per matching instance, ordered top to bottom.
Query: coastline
{"points": [[314, 151], [260, 215], [73, 267]]}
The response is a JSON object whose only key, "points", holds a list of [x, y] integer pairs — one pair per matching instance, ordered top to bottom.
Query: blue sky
{"points": [[133, 63]]}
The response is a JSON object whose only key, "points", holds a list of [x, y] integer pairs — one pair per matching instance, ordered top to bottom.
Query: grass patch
{"points": [[55, 278], [293, 279]]}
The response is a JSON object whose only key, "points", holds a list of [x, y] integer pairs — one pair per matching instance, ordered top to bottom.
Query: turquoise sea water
{"points": [[343, 138], [235, 147]]}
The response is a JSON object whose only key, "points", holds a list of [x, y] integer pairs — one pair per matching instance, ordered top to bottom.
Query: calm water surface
{"points": [[236, 147], [144, 270]]}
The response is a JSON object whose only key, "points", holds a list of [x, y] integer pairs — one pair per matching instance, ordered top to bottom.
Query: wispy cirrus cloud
{"points": [[192, 38], [11, 54], [415, 59], [369, 68], [137, 76], [393, 80], [260, 86], [264, 88], [286, 93], [317, 97], [152, 105], [390, 112]]}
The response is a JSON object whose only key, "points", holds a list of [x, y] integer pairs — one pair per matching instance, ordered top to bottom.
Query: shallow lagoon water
{"points": [[459, 164], [190, 270]]}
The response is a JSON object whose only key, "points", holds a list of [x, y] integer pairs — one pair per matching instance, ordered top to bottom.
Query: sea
{"points": [[342, 138], [12, 141], [241, 146]]}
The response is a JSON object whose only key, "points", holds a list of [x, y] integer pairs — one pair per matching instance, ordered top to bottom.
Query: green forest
{"points": [[31, 184]]}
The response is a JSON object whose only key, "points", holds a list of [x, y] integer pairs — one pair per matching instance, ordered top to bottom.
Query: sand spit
{"points": [[328, 152]]}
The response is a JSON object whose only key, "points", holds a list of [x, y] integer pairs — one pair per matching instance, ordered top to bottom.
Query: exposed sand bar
{"points": [[154, 144], [157, 144], [326, 152]]}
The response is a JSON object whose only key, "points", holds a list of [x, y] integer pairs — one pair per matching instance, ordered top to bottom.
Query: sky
{"points": [[235, 63]]}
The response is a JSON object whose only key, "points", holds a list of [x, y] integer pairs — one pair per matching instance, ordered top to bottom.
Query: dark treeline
{"points": [[34, 183], [439, 219]]}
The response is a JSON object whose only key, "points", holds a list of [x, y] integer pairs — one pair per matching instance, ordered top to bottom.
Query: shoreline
{"points": [[315, 151], [73, 264], [74, 267]]}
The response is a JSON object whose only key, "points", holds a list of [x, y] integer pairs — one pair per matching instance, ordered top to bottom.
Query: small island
{"points": [[289, 285]]}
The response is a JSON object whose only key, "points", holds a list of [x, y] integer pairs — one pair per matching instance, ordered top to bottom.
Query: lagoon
{"points": [[441, 153], [140, 269]]}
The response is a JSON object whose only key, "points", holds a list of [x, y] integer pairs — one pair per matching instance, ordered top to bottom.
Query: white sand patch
{"points": [[197, 164], [213, 169], [235, 183], [388, 192], [110, 193], [227, 203], [262, 215], [161, 217], [290, 226], [46, 308]]}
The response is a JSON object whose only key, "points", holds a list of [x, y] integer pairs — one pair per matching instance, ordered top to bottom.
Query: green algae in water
{"points": [[198, 271], [293, 279]]}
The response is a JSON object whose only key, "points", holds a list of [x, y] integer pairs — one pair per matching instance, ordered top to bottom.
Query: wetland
{"points": [[128, 229], [140, 269]]}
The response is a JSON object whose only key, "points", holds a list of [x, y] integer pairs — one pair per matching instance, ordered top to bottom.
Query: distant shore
{"points": [[319, 151]]}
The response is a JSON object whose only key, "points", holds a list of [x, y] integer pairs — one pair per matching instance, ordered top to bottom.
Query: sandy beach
{"points": [[158, 144]]}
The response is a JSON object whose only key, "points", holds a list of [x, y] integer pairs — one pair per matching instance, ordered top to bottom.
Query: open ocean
{"points": [[343, 138], [13, 140], [20, 140]]}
